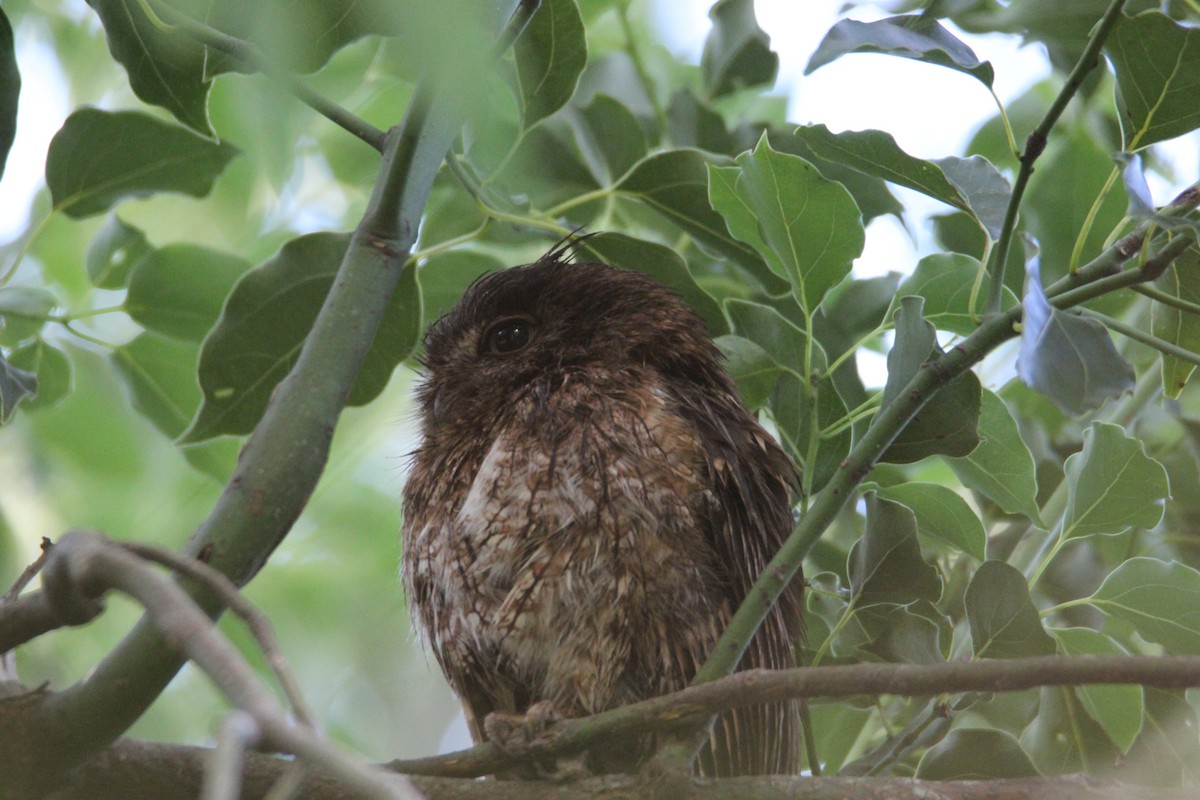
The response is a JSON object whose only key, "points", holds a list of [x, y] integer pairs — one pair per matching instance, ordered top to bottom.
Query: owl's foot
{"points": [[522, 735]]}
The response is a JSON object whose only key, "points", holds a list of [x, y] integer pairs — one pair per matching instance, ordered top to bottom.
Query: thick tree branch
{"points": [[284, 457], [133, 770]]}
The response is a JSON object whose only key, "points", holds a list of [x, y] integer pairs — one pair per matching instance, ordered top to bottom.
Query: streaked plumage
{"points": [[589, 503]]}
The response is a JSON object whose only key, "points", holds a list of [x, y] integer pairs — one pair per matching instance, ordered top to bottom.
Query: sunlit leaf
{"points": [[914, 36], [737, 53], [551, 54], [1156, 60], [10, 89], [99, 158], [969, 184], [806, 227], [113, 251], [179, 290], [263, 326], [1068, 358], [52, 368], [1001, 468], [1112, 485], [942, 515], [1160, 600], [1004, 623], [1117, 707], [976, 754]]}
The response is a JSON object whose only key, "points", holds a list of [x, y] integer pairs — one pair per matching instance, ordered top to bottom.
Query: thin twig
{"points": [[1035, 144]]}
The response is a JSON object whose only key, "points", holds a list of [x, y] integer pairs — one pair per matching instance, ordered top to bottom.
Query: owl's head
{"points": [[533, 327]]}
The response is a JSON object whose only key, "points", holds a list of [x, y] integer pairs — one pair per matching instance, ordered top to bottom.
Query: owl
{"points": [[589, 504]]}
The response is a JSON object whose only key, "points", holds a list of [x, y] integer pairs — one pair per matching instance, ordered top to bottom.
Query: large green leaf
{"points": [[917, 36], [737, 53], [551, 54], [1156, 60], [10, 90], [609, 136], [99, 158], [675, 184], [969, 184], [806, 227], [113, 251], [179, 290], [23, 312], [264, 324], [1175, 326], [1068, 358], [752, 367], [52, 368], [161, 376], [15, 385], [948, 423], [1001, 468], [1112, 485], [942, 515], [886, 565], [1160, 600], [1004, 623], [1117, 707], [1062, 737], [975, 754]]}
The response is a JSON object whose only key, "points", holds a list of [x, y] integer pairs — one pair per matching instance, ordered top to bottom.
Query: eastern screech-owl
{"points": [[590, 502]]}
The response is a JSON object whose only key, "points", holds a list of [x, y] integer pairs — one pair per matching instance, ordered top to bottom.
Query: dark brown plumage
{"points": [[589, 504]]}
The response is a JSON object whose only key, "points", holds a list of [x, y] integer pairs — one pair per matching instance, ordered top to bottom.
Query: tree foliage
{"points": [[229, 168]]}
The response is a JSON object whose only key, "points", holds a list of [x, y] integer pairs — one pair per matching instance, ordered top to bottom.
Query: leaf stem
{"points": [[1179, 303], [1161, 345]]}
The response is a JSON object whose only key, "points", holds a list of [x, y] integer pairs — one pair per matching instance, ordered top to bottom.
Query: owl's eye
{"points": [[508, 336]]}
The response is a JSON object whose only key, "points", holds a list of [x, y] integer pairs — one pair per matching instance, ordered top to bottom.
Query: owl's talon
{"points": [[522, 735]]}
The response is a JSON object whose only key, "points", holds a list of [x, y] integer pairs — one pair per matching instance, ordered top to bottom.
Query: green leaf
{"points": [[914, 36], [737, 53], [551, 54], [1156, 60], [165, 68], [10, 89], [691, 123], [609, 136], [99, 158], [675, 184], [969, 184], [806, 227], [113, 251], [661, 263], [945, 281], [179, 290], [23, 312], [263, 326], [1175, 326], [1068, 358], [52, 368], [754, 370], [161, 376], [15, 385], [791, 403], [948, 423], [1001, 468], [1112, 485], [941, 514], [886, 564], [1160, 600], [1004, 623], [911, 633], [1117, 707], [1062, 737], [1167, 753], [975, 754]]}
